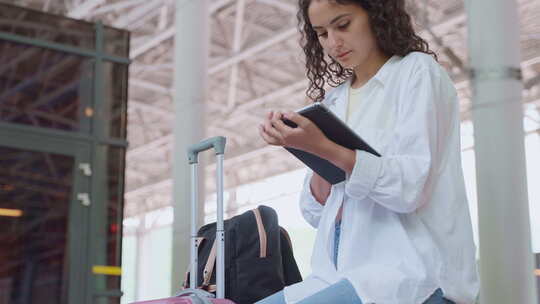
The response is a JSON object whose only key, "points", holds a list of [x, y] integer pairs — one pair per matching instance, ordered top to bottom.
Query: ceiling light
{"points": [[10, 212]]}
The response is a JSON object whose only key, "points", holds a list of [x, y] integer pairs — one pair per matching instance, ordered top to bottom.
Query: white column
{"points": [[190, 84], [506, 259]]}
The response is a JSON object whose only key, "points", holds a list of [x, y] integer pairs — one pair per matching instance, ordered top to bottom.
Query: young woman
{"points": [[398, 230]]}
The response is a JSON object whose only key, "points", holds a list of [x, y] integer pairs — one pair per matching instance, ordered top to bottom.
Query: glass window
{"points": [[44, 26], [116, 42], [44, 88], [115, 92], [35, 196], [115, 201]]}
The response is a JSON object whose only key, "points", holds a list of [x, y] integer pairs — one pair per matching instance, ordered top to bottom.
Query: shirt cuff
{"points": [[364, 175], [310, 207]]}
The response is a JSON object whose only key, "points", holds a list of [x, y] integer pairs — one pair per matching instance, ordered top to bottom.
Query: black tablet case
{"points": [[337, 131]]}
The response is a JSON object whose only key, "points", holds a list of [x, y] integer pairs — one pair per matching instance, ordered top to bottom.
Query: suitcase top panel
{"points": [[182, 300]]}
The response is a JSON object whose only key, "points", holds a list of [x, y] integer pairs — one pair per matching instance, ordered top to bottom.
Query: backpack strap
{"points": [[262, 232], [199, 240], [211, 261], [209, 267], [185, 284], [211, 288]]}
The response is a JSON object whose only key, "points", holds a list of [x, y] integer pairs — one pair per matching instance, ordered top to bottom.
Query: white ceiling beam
{"points": [[216, 5], [46, 6], [111, 7], [287, 7], [84, 9], [137, 13], [163, 18], [137, 20], [450, 22], [238, 25], [150, 27], [167, 34], [287, 34], [237, 40], [152, 42], [141, 49], [229, 61], [529, 62], [138, 66], [531, 82], [299, 85], [150, 86], [151, 108], [243, 108], [214, 130], [166, 139], [147, 147], [245, 156], [130, 172], [167, 182]]}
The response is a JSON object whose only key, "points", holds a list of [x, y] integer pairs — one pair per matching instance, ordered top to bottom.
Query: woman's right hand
{"points": [[268, 132], [320, 188]]}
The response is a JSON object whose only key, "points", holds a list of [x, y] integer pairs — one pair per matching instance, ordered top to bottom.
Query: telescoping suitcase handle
{"points": [[218, 143]]}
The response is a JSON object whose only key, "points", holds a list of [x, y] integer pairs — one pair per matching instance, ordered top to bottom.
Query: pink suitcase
{"points": [[193, 295], [187, 297]]}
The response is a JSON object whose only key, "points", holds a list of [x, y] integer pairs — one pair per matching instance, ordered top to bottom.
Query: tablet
{"points": [[337, 131]]}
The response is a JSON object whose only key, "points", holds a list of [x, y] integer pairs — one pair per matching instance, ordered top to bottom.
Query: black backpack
{"points": [[252, 271]]}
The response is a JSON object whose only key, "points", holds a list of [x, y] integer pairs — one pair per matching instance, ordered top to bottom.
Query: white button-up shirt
{"points": [[406, 228]]}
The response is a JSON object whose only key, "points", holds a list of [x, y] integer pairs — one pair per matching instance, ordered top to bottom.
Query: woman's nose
{"points": [[335, 41]]}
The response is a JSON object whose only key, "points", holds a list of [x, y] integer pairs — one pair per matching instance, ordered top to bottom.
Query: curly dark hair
{"points": [[393, 31]]}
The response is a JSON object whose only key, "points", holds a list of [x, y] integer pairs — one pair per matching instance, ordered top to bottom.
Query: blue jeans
{"points": [[337, 233], [341, 292]]}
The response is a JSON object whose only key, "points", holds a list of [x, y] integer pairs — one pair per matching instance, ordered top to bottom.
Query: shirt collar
{"points": [[384, 72], [381, 77]]}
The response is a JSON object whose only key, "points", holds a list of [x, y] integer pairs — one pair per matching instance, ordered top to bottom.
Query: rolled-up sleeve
{"points": [[397, 180], [310, 208]]}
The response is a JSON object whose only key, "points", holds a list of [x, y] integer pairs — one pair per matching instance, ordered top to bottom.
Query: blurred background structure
{"points": [[80, 79]]}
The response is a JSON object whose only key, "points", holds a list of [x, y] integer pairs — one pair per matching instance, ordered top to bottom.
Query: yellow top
{"points": [[355, 96]]}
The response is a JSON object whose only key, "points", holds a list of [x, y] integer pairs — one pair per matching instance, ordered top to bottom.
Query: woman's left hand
{"points": [[306, 136]]}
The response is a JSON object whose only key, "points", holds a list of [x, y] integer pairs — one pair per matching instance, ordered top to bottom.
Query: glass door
{"points": [[43, 219]]}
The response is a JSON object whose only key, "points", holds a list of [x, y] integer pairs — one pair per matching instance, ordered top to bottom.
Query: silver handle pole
{"points": [[218, 143], [220, 232], [193, 245]]}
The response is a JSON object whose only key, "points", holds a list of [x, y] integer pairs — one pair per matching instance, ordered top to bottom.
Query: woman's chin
{"points": [[347, 65]]}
